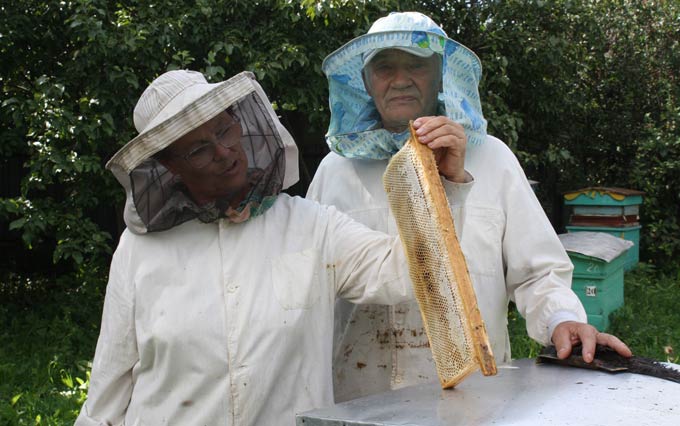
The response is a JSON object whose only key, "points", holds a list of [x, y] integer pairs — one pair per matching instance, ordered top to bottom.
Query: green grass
{"points": [[648, 322], [47, 340]]}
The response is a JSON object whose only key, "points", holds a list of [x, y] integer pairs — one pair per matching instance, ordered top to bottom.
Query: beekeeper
{"points": [[406, 68], [219, 305]]}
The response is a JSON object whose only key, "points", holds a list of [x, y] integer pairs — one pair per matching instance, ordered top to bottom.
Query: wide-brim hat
{"points": [[179, 101], [352, 129]]}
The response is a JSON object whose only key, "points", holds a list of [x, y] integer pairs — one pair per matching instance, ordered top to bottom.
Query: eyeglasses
{"points": [[227, 136]]}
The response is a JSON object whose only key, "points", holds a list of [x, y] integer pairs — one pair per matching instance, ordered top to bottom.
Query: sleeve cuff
{"points": [[457, 192]]}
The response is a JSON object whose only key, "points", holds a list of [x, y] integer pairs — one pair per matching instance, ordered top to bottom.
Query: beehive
{"points": [[614, 211], [630, 233], [598, 278]]}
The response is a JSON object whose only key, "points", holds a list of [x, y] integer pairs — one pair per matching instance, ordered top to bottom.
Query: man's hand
{"points": [[447, 139], [569, 333]]}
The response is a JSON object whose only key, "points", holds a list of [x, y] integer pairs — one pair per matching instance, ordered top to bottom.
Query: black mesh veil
{"points": [[162, 200]]}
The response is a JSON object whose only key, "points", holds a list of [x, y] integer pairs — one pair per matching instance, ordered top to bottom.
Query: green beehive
{"points": [[600, 196], [614, 211], [630, 233], [599, 261], [601, 293]]}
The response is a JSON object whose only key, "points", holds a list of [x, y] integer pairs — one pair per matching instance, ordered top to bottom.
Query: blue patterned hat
{"points": [[355, 130]]}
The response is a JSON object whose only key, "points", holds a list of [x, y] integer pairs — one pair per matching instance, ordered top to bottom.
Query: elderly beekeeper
{"points": [[406, 68], [219, 305]]}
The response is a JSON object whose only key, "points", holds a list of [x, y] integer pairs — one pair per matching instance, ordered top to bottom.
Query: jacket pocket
{"points": [[482, 241], [296, 279]]}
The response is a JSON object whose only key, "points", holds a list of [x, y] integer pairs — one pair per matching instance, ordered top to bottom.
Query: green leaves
{"points": [[584, 92], [46, 339]]}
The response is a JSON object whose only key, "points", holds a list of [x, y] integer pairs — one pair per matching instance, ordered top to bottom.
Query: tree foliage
{"points": [[595, 87], [585, 92]]}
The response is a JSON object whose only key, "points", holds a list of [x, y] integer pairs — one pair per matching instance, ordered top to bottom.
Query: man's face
{"points": [[403, 86], [210, 159]]}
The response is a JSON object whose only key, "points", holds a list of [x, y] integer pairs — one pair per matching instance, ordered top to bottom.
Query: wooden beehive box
{"points": [[615, 211], [598, 278]]}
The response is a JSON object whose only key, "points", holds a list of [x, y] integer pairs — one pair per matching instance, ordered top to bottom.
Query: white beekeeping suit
{"points": [[511, 249], [221, 312]]}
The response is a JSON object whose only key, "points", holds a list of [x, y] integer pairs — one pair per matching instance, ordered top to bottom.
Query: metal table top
{"points": [[522, 393]]}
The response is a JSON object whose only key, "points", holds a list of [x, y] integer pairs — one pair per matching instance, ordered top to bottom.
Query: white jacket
{"points": [[511, 250], [231, 324]]}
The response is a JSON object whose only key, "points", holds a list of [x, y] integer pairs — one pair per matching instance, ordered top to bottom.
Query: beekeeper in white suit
{"points": [[406, 68], [219, 305]]}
